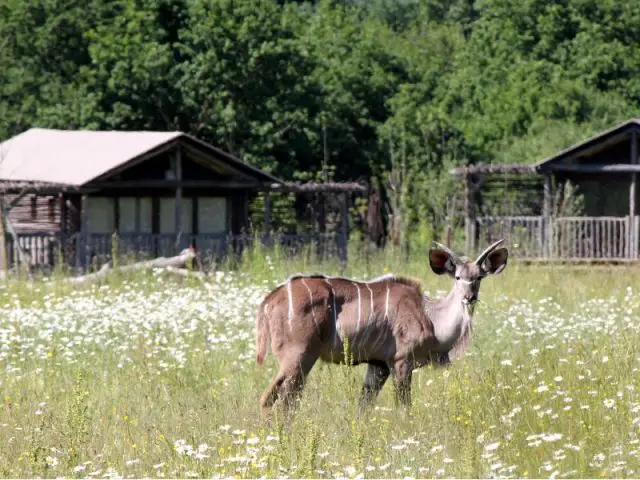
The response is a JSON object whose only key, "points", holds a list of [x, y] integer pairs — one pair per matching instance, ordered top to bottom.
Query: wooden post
{"points": [[177, 171], [64, 212], [470, 216], [546, 216], [137, 218], [633, 234], [343, 239], [82, 246], [4, 258]]}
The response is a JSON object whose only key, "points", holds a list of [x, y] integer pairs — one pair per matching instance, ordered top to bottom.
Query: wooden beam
{"points": [[493, 168], [595, 168], [177, 171], [120, 184], [311, 187], [633, 189], [16, 200], [64, 212], [116, 214], [195, 216], [546, 216], [137, 217], [82, 253], [4, 257], [24, 258]]}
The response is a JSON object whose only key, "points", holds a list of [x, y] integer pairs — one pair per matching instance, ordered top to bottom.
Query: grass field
{"points": [[152, 376]]}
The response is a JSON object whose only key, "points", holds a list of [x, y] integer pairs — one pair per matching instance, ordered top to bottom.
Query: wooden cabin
{"points": [[601, 172], [70, 191]]}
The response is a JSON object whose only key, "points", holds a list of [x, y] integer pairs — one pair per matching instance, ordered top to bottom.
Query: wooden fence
{"points": [[534, 237], [46, 250]]}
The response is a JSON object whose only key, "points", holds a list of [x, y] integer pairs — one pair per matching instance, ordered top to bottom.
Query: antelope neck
{"points": [[450, 318]]}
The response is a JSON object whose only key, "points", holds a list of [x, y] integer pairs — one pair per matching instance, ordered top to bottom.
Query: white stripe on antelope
{"points": [[308, 317]]}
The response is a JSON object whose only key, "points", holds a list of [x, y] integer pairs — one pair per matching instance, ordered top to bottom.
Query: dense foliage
{"points": [[383, 89]]}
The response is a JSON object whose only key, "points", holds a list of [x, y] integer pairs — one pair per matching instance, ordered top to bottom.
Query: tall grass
{"points": [[148, 375]]}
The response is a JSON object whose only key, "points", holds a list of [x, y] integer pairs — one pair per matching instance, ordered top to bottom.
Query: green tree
{"points": [[42, 50], [134, 64], [244, 82]]}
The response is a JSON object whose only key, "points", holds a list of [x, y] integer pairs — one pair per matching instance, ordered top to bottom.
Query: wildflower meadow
{"points": [[150, 375]]}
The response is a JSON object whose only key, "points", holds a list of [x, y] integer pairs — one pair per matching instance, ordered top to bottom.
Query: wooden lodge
{"points": [[600, 172], [67, 193]]}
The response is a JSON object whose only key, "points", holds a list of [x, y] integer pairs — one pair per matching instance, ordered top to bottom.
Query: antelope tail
{"points": [[262, 335]]}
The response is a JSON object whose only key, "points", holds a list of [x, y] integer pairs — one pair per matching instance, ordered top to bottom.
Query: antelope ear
{"points": [[496, 261], [441, 262]]}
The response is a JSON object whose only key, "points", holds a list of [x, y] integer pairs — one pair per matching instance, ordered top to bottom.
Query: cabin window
{"points": [[133, 210], [101, 215], [127, 215], [146, 215], [168, 215], [212, 215]]}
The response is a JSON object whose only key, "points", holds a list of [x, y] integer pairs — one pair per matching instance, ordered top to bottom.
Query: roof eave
{"points": [[620, 129], [260, 176], [265, 177]]}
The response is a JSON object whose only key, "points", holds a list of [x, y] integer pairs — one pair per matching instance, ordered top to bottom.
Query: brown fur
{"points": [[387, 323], [310, 330]]}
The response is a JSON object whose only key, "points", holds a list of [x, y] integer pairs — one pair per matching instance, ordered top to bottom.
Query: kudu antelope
{"points": [[388, 323]]}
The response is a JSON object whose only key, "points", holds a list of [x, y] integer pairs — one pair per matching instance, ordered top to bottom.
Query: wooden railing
{"points": [[523, 235], [592, 237], [613, 238], [46, 250]]}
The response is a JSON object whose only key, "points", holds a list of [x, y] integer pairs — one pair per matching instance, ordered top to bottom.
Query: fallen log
{"points": [[170, 263]]}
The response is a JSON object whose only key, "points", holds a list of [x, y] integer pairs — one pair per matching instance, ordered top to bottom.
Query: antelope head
{"points": [[467, 275]]}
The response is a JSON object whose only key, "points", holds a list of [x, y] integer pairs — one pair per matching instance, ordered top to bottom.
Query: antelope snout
{"points": [[470, 298]]}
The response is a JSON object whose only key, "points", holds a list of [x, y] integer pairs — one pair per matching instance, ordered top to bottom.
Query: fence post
{"points": [[546, 215], [551, 236], [541, 242], [633, 245], [82, 247], [628, 251]]}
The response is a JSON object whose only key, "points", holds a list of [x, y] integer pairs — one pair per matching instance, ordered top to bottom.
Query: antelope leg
{"points": [[402, 379], [374, 380]]}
